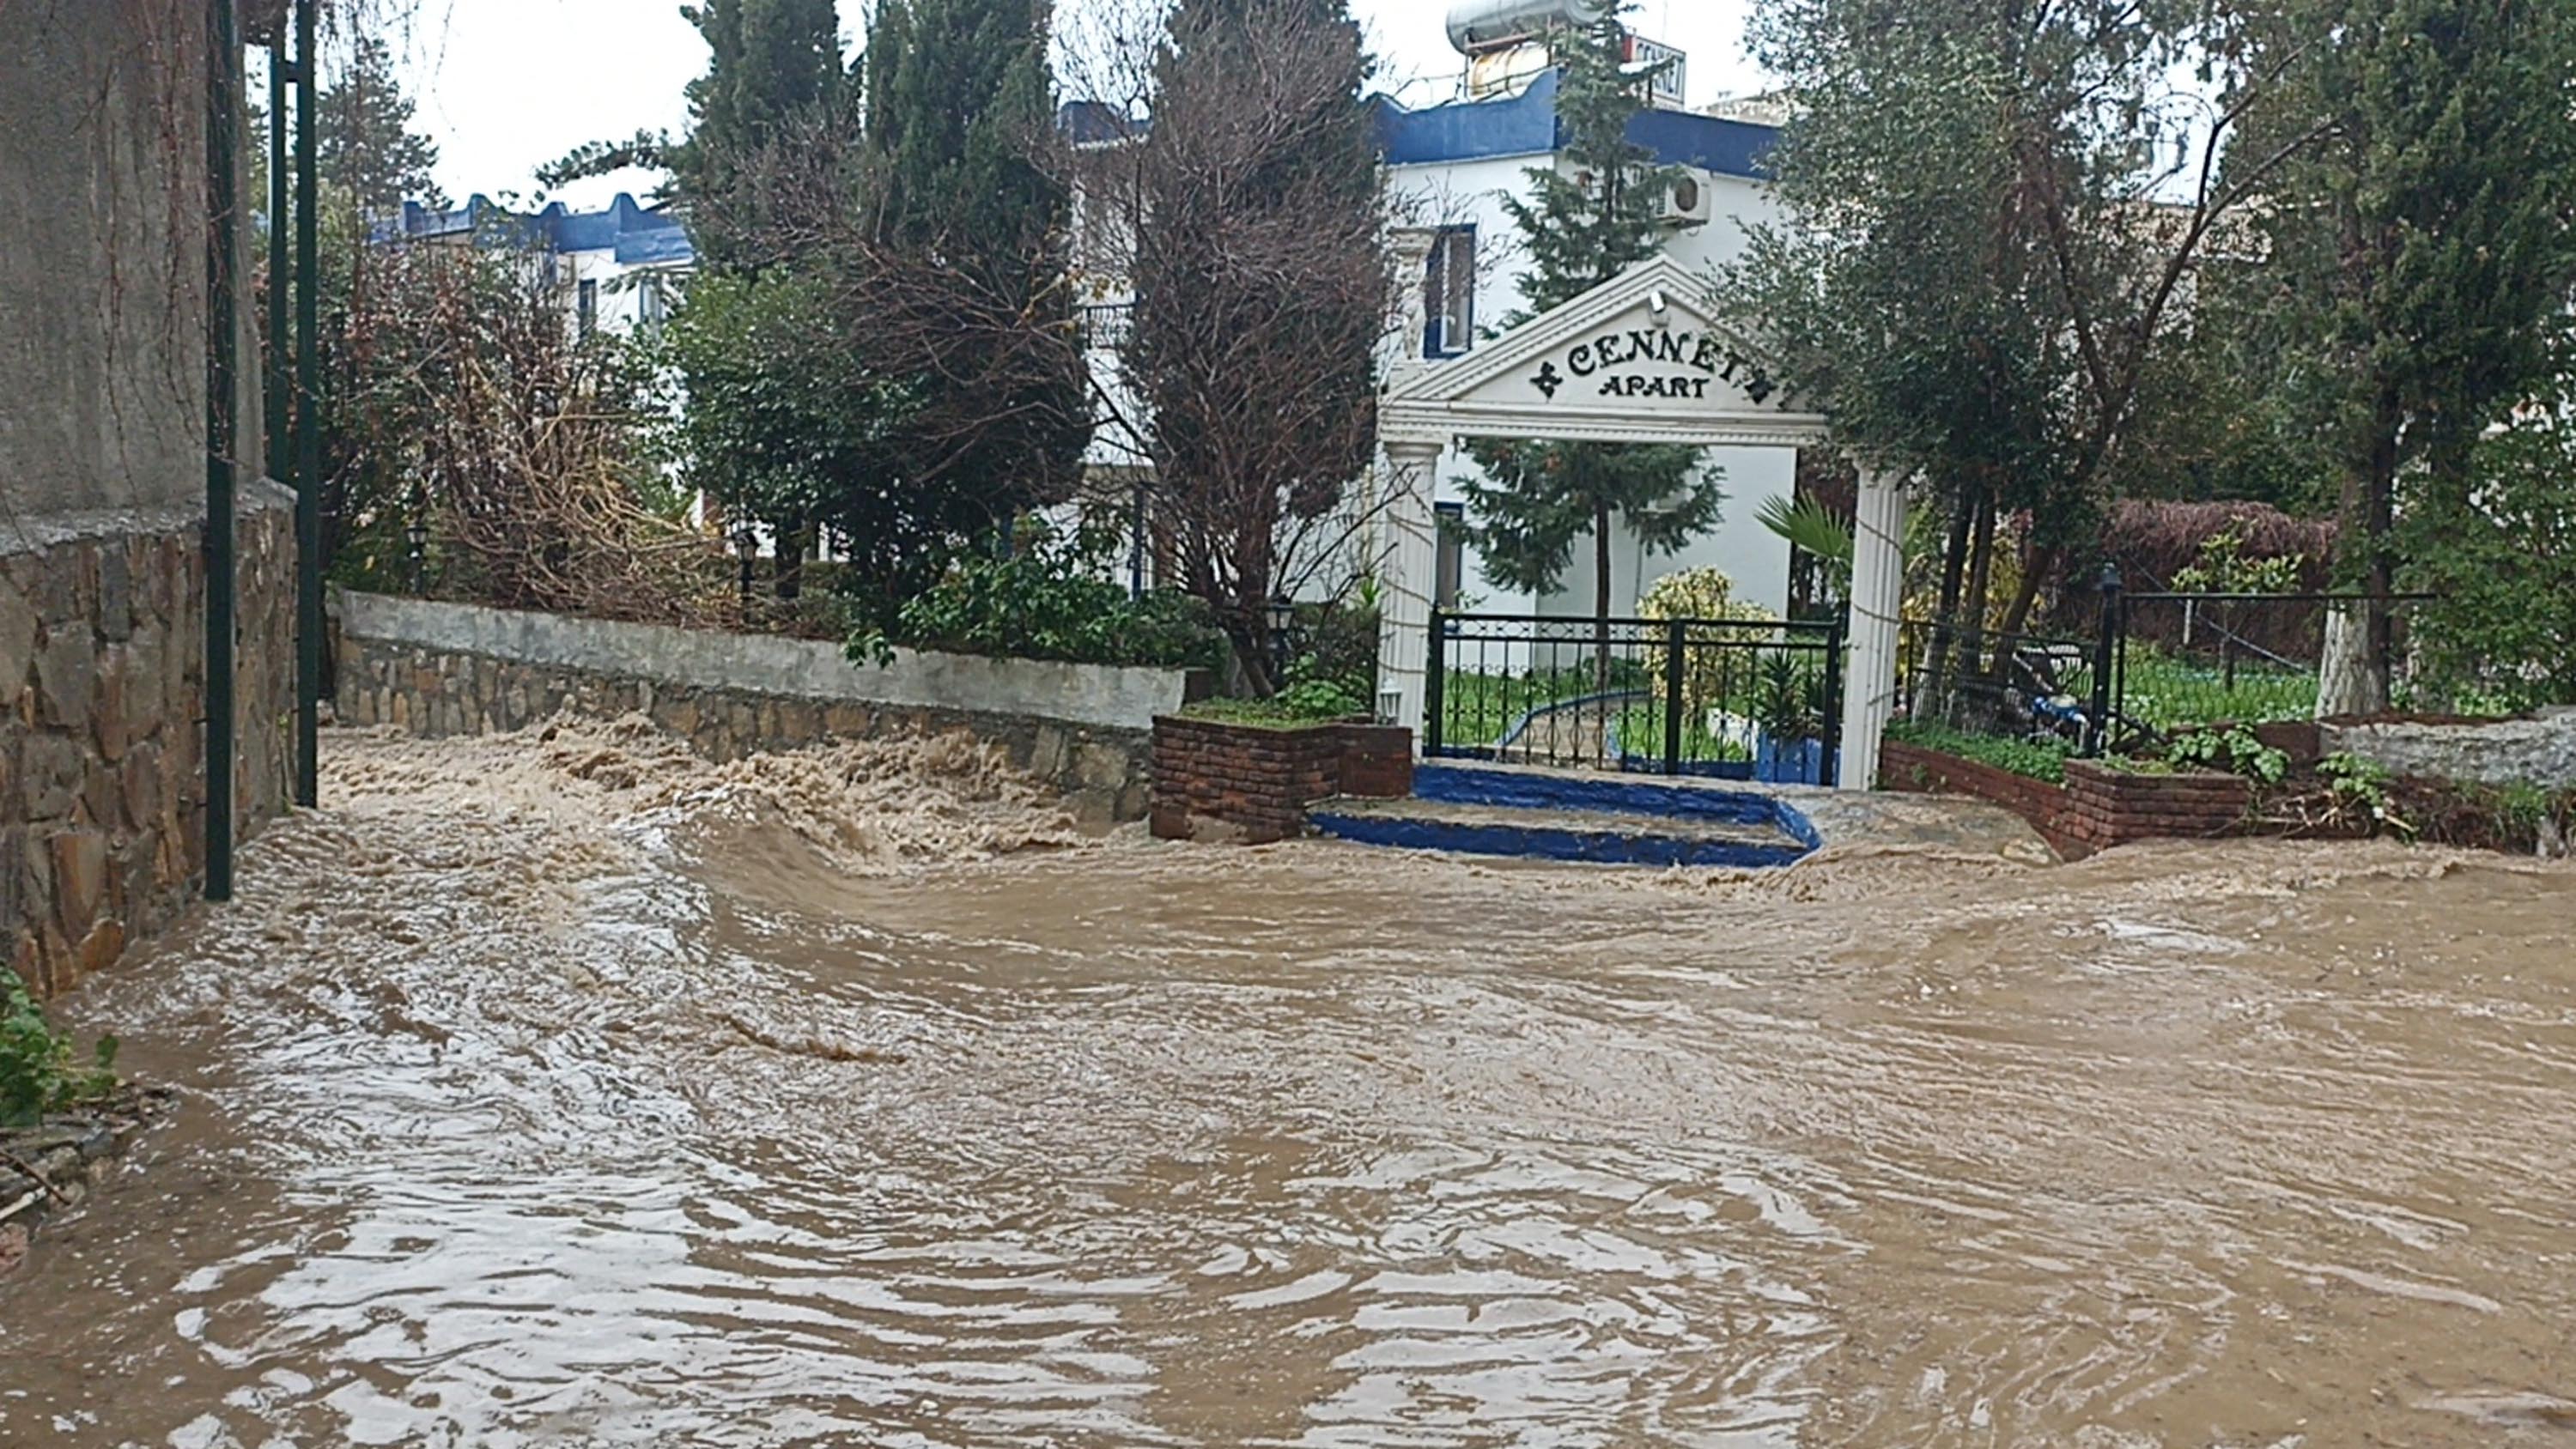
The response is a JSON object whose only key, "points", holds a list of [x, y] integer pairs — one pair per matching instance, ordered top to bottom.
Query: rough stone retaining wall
{"points": [[448, 669], [102, 703], [2539, 751], [1220, 781], [2096, 809]]}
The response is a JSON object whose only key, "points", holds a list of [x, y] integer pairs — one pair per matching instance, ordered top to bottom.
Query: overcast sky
{"points": [[507, 85]]}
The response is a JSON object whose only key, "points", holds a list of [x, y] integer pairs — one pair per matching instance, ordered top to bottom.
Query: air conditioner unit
{"points": [[1688, 203]]}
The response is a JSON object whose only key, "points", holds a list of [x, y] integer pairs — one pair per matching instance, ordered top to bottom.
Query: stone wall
{"points": [[404, 663], [102, 698], [2538, 751], [1250, 784], [2097, 808]]}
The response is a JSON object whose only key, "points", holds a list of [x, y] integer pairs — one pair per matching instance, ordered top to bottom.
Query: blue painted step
{"points": [[1620, 795], [1545, 834]]}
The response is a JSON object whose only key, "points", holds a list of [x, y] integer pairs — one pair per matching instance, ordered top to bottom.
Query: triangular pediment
{"points": [[1636, 358]]}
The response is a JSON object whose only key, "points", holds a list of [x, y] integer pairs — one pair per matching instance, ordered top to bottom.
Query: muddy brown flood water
{"points": [[566, 1092]]}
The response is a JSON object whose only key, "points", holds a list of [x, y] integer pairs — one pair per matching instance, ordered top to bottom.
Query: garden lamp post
{"points": [[416, 541], [746, 547], [1281, 617], [2106, 662]]}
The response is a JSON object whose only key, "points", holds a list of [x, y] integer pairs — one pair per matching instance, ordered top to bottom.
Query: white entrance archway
{"points": [[1635, 360]]}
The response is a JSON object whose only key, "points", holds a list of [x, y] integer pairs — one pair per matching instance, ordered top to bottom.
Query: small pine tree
{"points": [[363, 141], [1538, 499]]}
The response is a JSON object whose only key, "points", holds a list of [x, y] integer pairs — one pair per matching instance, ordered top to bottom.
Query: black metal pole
{"points": [[280, 413], [308, 421], [223, 430], [1676, 650], [2106, 655], [1435, 686], [1832, 771]]}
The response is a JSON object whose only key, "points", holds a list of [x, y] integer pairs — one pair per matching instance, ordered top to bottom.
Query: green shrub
{"points": [[1053, 598], [2232, 751], [2038, 759], [39, 1071]]}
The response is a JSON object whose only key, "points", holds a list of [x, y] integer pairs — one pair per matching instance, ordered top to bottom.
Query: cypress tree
{"points": [[772, 101], [1538, 499]]}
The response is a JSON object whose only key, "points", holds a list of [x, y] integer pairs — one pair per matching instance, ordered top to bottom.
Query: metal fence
{"points": [[2186, 659], [2158, 664], [1986, 682], [1729, 698]]}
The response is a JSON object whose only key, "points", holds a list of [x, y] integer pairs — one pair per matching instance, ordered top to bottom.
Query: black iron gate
{"points": [[1732, 698]]}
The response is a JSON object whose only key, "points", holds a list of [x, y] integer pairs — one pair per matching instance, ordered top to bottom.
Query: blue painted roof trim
{"points": [[1526, 125], [638, 235]]}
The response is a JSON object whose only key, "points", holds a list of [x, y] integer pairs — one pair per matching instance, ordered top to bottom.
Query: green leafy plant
{"points": [[2222, 568], [1052, 598], [1788, 699], [2233, 751], [2038, 759], [2360, 787], [40, 1071]]}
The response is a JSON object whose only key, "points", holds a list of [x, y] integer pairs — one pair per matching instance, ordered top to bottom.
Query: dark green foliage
{"points": [[771, 109], [364, 143], [1994, 216], [2416, 256], [955, 273], [782, 424], [1537, 500], [2500, 557], [1051, 598], [2038, 759], [39, 1070]]}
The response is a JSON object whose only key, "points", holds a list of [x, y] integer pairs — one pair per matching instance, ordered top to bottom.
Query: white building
{"points": [[1449, 169], [615, 269]]}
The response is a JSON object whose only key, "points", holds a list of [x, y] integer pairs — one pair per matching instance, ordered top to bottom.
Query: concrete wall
{"points": [[102, 259], [102, 488], [444, 669]]}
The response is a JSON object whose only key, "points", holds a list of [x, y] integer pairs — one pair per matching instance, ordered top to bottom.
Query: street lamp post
{"points": [[416, 536], [746, 547]]}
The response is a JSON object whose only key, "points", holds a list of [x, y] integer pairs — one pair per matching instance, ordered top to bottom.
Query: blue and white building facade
{"points": [[1450, 169], [616, 270]]}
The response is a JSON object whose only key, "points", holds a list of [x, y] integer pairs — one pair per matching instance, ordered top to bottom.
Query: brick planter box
{"points": [[1218, 780], [2107, 807], [2096, 809]]}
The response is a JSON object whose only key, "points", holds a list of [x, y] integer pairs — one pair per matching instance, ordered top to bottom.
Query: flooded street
{"points": [[572, 1092]]}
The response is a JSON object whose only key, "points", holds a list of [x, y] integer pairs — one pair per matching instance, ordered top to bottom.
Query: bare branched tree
{"points": [[1249, 219]]}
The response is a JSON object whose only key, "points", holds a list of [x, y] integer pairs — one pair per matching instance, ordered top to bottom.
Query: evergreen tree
{"points": [[770, 111], [364, 144], [2416, 259], [959, 264], [1537, 500]]}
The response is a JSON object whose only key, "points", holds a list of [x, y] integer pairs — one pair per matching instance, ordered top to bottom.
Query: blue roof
{"points": [[1526, 125], [639, 235]]}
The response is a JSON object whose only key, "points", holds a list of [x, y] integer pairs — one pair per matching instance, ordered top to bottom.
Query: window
{"points": [[1449, 294], [650, 308], [589, 309], [1449, 574]]}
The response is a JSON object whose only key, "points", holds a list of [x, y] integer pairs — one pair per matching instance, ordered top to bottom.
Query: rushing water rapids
{"points": [[568, 1091]]}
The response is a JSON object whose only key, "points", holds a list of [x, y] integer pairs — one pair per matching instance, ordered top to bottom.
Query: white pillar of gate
{"points": [[1409, 570], [1877, 599]]}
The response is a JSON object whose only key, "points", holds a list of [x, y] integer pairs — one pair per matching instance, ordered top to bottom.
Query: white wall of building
{"points": [[1471, 193]]}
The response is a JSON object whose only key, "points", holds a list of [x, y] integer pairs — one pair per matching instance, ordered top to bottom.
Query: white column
{"points": [[1409, 570], [1877, 595]]}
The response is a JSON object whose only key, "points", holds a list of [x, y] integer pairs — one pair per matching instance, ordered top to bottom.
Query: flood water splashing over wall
{"points": [[562, 1089]]}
